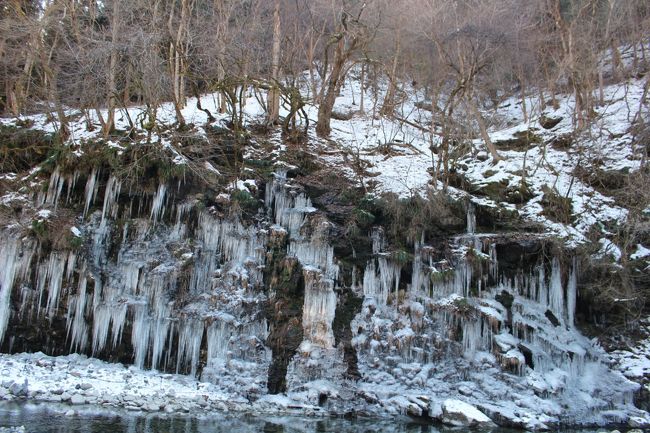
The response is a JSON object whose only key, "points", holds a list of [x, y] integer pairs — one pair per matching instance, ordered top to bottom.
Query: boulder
{"points": [[460, 414]]}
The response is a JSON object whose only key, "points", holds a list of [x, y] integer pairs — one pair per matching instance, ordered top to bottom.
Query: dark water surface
{"points": [[51, 418]]}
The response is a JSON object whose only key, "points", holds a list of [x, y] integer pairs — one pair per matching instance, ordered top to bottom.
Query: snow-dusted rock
{"points": [[78, 399], [435, 410], [460, 414], [638, 422], [20, 429]]}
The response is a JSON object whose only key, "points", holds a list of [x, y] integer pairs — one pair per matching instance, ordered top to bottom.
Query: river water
{"points": [[49, 418], [52, 418]]}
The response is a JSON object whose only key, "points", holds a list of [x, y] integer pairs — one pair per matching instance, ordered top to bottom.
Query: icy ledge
{"points": [[78, 380]]}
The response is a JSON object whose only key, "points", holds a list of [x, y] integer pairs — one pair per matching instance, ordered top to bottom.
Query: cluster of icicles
{"points": [[230, 257], [100, 296], [465, 297]]}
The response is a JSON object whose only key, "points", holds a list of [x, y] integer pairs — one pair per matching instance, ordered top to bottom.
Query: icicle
{"points": [[72, 183], [113, 187], [54, 188], [158, 206], [289, 208], [471, 219], [180, 228], [378, 241], [241, 248], [315, 254], [494, 262], [14, 264], [50, 276], [459, 282], [419, 283], [371, 285], [379, 285], [542, 287], [556, 291], [571, 295], [319, 309], [76, 327], [140, 333], [218, 335], [189, 344]]}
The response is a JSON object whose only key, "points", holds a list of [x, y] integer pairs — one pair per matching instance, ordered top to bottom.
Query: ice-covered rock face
{"points": [[163, 283], [151, 285]]}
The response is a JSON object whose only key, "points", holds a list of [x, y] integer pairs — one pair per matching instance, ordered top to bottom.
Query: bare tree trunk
{"points": [[176, 62], [362, 91], [273, 101], [327, 103], [388, 105], [109, 125], [483, 128]]}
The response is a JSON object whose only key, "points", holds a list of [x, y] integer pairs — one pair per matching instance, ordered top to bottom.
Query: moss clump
{"points": [[549, 122], [520, 141], [23, 148], [245, 200], [556, 207], [362, 218], [407, 219], [39, 229], [75, 242], [402, 257], [462, 306]]}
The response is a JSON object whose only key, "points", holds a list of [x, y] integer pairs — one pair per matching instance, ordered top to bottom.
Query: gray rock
{"points": [[85, 386]]}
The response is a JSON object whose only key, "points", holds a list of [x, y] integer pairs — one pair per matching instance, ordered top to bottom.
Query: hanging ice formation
{"points": [[308, 243], [166, 283], [133, 292], [465, 305]]}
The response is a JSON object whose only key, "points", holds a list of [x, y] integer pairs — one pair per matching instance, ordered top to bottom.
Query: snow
{"points": [[398, 158], [44, 214], [608, 248], [640, 253], [634, 362], [81, 380], [460, 414]]}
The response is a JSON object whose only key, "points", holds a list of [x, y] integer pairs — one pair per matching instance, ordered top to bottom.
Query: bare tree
{"points": [[350, 36]]}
